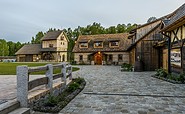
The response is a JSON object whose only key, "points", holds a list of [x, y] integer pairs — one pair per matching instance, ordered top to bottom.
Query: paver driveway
{"points": [[109, 91]]}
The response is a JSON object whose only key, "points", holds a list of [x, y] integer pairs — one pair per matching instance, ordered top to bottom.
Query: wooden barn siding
{"points": [[147, 53]]}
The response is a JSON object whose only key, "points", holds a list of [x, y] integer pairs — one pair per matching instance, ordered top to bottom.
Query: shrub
{"points": [[126, 67], [161, 72], [182, 77], [79, 80], [72, 87], [51, 101]]}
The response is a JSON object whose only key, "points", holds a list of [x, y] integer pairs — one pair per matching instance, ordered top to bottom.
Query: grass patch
{"points": [[10, 68]]}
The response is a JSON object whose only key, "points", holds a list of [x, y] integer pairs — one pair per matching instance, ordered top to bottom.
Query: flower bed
{"points": [[172, 78], [53, 104]]}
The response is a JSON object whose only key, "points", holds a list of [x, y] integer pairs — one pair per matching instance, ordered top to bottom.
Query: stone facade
{"points": [[53, 48], [102, 49]]}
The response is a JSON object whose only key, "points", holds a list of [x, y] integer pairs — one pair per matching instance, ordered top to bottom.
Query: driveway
{"points": [[110, 91]]}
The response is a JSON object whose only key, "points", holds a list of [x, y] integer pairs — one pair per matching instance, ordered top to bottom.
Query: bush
{"points": [[126, 67], [161, 73], [182, 77], [79, 80], [72, 87], [51, 101]]}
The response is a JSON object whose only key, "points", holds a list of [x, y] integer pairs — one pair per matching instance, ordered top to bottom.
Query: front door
{"points": [[98, 58]]}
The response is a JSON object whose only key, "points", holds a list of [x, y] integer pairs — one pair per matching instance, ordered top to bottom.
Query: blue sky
{"points": [[22, 19]]}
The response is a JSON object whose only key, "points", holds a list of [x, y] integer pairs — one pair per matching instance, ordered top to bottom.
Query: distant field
{"points": [[10, 68]]}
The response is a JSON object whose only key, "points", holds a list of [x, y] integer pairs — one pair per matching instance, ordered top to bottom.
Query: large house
{"points": [[53, 48], [102, 49]]}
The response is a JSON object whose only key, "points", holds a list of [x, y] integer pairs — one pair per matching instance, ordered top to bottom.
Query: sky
{"points": [[22, 19]]}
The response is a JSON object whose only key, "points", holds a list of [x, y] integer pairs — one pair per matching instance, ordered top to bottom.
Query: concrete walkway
{"points": [[109, 91]]}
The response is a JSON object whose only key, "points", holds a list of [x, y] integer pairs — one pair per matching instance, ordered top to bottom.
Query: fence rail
{"points": [[24, 85]]}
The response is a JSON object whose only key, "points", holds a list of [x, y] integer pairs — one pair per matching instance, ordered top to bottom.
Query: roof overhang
{"points": [[174, 25]]}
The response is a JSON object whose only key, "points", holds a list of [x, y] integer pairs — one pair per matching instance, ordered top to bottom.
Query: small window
{"points": [[62, 38], [114, 44], [50, 45], [83, 45], [98, 45], [63, 57], [80, 57], [120, 57], [110, 58]]}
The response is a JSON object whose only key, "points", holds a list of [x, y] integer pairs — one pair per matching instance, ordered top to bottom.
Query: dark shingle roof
{"points": [[177, 16], [51, 35], [122, 37], [29, 49]]}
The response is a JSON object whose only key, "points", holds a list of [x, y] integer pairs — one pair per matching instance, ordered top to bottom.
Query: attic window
{"points": [[62, 38], [114, 44], [83, 45], [98, 45]]}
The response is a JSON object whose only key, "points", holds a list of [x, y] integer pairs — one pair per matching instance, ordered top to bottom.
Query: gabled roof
{"points": [[178, 16], [51, 35], [106, 38], [132, 45], [29, 49]]}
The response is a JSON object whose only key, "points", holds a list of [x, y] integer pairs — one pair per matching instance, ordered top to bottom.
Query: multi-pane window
{"points": [[114, 43], [50, 45], [84, 45], [98, 45], [80, 57], [120, 57]]}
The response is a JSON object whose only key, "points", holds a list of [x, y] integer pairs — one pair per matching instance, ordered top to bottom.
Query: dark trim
{"points": [[169, 55]]}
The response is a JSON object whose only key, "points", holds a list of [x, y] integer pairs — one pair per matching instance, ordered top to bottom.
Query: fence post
{"points": [[70, 72], [49, 74], [64, 74], [22, 85]]}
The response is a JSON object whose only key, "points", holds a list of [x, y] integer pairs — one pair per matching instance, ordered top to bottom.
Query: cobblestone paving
{"points": [[8, 86], [109, 91]]}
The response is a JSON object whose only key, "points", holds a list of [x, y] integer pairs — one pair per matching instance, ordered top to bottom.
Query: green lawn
{"points": [[10, 68]]}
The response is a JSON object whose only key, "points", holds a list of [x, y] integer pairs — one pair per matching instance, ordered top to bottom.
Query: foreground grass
{"points": [[10, 68]]}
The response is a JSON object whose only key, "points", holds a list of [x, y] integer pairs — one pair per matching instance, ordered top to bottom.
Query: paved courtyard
{"points": [[109, 91]]}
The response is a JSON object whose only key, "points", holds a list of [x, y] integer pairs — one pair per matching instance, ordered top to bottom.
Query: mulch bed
{"points": [[61, 100]]}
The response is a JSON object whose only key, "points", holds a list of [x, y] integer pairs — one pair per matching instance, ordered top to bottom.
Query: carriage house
{"points": [[53, 48], [102, 49]]}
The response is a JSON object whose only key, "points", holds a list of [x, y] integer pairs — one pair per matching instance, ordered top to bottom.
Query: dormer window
{"points": [[98, 44], [114, 44], [50, 45], [83, 45]]}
